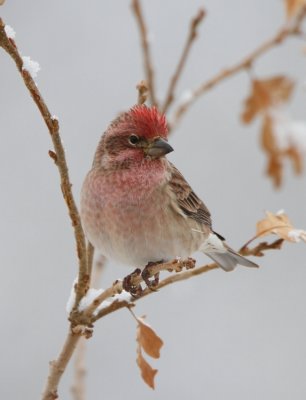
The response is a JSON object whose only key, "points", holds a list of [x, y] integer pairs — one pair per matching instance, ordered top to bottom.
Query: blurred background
{"points": [[235, 336]]}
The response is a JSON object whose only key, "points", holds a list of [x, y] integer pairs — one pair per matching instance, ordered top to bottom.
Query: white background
{"points": [[227, 336]]}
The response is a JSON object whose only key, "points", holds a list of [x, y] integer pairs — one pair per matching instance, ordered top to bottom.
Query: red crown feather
{"points": [[149, 122]]}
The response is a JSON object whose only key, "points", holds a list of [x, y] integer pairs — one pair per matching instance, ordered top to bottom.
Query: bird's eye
{"points": [[133, 139]]}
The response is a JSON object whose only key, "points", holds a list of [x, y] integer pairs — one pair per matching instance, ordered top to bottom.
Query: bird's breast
{"points": [[129, 218]]}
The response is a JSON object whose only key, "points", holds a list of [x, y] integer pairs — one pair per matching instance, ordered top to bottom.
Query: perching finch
{"points": [[137, 208]]}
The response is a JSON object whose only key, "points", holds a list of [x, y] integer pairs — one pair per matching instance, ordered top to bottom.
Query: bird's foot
{"points": [[148, 273], [131, 286]]}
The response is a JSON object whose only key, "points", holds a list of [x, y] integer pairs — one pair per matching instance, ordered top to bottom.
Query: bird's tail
{"points": [[227, 258]]}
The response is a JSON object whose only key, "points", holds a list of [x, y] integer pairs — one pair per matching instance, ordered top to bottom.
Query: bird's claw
{"points": [[146, 274], [129, 285]]}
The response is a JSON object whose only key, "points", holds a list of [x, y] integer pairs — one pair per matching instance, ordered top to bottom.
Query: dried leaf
{"points": [[2, 2], [293, 7], [266, 93], [268, 141], [269, 144], [296, 158], [275, 169], [280, 225], [148, 339], [151, 343], [147, 372]]}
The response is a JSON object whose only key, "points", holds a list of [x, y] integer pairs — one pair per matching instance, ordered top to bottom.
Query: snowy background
{"points": [[227, 336]]}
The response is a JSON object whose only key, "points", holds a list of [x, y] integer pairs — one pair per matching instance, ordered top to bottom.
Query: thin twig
{"points": [[192, 35], [147, 60], [245, 64], [143, 90], [59, 158], [258, 250]]}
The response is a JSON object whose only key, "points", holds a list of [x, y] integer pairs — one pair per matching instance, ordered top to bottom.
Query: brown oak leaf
{"points": [[266, 93], [280, 225], [148, 339]]}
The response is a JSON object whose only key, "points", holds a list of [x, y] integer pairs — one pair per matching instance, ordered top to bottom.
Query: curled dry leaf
{"points": [[2, 2], [293, 7], [266, 93], [280, 137], [296, 158], [280, 225], [148, 339], [151, 343], [147, 372]]}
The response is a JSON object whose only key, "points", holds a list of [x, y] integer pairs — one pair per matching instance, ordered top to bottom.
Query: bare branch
{"points": [[192, 35], [147, 60], [245, 64], [58, 155], [261, 247], [58, 366]]}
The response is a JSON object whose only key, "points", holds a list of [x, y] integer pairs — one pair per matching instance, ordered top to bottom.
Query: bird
{"points": [[136, 206]]}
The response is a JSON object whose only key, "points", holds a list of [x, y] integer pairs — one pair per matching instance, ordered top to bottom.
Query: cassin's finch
{"points": [[137, 208]]}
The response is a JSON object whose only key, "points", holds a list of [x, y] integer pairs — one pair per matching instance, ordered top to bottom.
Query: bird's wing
{"points": [[188, 202]]}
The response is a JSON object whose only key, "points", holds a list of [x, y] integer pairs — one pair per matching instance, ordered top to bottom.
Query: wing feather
{"points": [[189, 203]]}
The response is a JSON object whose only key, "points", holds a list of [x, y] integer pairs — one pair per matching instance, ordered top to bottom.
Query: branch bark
{"points": [[58, 366]]}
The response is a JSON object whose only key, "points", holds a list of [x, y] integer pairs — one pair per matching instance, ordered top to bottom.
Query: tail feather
{"points": [[223, 255]]}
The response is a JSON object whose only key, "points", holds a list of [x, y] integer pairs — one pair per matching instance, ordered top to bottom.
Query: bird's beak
{"points": [[158, 148]]}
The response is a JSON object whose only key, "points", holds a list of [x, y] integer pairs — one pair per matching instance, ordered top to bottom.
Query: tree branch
{"points": [[195, 22], [147, 60], [246, 63], [58, 157], [58, 366]]}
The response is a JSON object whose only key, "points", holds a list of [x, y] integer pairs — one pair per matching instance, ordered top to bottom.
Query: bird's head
{"points": [[140, 133]]}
